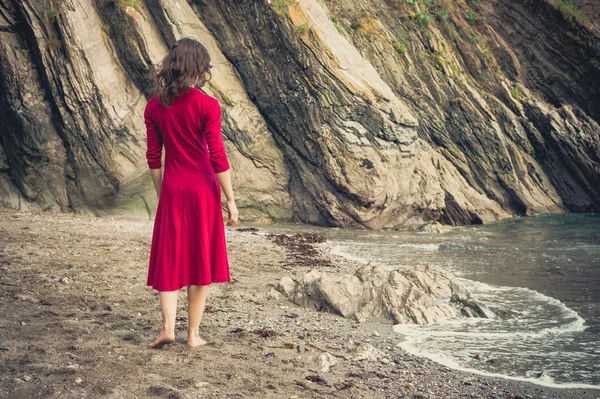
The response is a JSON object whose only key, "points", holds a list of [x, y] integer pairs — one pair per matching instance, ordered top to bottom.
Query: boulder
{"points": [[421, 295]]}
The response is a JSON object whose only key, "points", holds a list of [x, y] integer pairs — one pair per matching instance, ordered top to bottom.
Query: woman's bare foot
{"points": [[162, 340], [195, 341]]}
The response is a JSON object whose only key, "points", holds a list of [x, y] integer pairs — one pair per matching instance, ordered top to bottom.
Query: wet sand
{"points": [[77, 316]]}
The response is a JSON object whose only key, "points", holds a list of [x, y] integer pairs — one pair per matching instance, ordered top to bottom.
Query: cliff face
{"points": [[372, 113]]}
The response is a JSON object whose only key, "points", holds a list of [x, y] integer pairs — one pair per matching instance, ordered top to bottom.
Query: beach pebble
{"points": [[286, 285], [274, 294], [26, 298], [367, 352], [325, 361], [201, 384], [304, 384]]}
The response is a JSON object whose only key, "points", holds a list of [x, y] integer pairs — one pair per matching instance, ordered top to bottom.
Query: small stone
{"points": [[130, 11], [286, 285], [273, 294], [376, 333], [367, 352], [325, 361], [26, 378], [78, 381], [303, 384]]}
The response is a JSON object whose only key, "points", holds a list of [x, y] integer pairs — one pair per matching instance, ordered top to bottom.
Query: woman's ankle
{"points": [[168, 331]]}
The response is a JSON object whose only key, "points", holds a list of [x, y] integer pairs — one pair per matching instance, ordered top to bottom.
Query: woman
{"points": [[188, 242]]}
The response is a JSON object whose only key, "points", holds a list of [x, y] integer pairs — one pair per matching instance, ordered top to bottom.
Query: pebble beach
{"points": [[77, 317]]}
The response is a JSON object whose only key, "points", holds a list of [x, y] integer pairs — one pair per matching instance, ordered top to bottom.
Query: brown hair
{"points": [[187, 65]]}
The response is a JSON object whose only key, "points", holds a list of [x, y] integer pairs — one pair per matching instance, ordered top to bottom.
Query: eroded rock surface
{"points": [[374, 113], [422, 295]]}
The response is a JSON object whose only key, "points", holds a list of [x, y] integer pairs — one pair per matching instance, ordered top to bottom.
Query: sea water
{"points": [[539, 275]]}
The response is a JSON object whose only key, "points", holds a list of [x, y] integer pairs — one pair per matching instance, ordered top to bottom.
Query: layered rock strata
{"points": [[374, 113]]}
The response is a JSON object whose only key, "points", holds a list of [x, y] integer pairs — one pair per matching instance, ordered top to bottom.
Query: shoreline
{"points": [[332, 252], [77, 317]]}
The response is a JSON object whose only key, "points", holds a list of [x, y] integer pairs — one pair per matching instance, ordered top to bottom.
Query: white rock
{"points": [[434, 227], [286, 285], [274, 294], [367, 352], [325, 361]]}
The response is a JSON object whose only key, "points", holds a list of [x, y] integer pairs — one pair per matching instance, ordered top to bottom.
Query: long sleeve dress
{"points": [[188, 241]]}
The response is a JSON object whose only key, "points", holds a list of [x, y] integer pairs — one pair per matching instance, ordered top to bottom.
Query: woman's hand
{"points": [[156, 175], [225, 182], [233, 213]]}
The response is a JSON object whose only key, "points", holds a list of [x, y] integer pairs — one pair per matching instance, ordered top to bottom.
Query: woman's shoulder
{"points": [[204, 98], [152, 102]]}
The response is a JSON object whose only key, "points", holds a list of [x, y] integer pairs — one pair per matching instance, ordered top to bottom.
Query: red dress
{"points": [[188, 242]]}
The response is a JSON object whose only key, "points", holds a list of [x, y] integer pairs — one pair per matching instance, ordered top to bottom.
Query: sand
{"points": [[77, 316]]}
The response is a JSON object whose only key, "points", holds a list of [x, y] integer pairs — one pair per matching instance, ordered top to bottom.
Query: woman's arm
{"points": [[154, 150], [218, 158], [156, 175], [225, 182]]}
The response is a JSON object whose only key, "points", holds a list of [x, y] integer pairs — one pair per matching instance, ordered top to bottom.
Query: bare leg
{"points": [[196, 302], [168, 303]]}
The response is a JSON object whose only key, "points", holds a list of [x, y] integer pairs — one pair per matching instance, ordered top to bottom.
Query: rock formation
{"points": [[374, 113], [421, 296]]}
